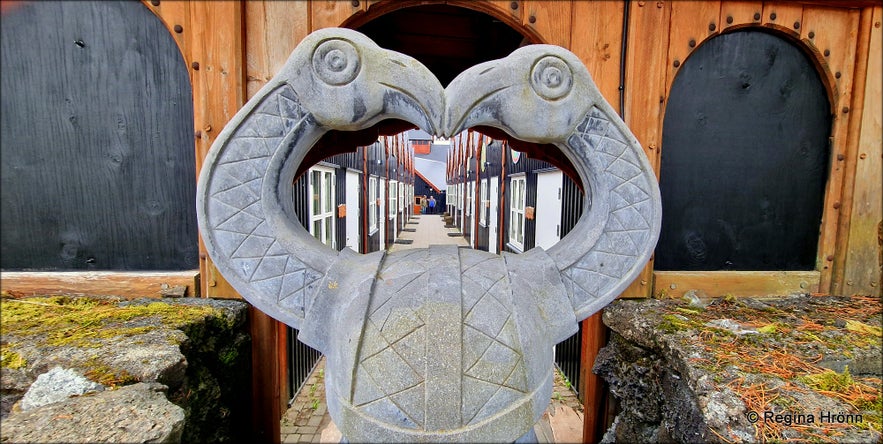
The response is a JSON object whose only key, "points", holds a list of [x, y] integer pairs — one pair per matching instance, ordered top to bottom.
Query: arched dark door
{"points": [[744, 158], [98, 166]]}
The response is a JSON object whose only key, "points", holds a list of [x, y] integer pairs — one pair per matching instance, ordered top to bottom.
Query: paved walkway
{"points": [[430, 231], [308, 420]]}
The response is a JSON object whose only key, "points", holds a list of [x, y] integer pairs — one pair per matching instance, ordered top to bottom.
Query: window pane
{"points": [[316, 179], [329, 193], [317, 229], [329, 231]]}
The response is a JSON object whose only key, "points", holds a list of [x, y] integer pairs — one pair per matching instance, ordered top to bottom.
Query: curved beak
{"points": [[411, 92], [476, 97]]}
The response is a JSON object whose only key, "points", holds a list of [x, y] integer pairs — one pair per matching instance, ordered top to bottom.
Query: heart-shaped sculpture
{"points": [[443, 344]]}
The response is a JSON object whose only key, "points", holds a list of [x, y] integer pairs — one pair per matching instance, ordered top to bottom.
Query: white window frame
{"points": [[321, 185], [517, 193], [402, 201], [468, 201], [372, 205], [392, 205], [483, 205]]}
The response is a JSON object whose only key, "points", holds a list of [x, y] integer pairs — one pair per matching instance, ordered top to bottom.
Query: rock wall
{"points": [[804, 368], [142, 370]]}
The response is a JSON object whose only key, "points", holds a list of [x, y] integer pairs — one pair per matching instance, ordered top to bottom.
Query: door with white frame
{"points": [[381, 198], [322, 205], [392, 207], [353, 210], [548, 211], [493, 217]]}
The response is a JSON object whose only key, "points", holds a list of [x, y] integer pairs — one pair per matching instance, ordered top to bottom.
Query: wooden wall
{"points": [[247, 42], [234, 47]]}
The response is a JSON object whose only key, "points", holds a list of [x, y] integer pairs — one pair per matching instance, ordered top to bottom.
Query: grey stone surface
{"points": [[437, 344], [201, 359], [57, 385], [668, 392], [138, 413]]}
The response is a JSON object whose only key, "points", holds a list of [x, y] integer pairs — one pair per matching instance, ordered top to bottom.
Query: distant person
{"points": [[423, 204], [431, 204]]}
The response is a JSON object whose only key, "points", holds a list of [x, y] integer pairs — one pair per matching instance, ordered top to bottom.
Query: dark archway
{"points": [[447, 39], [97, 126], [745, 157]]}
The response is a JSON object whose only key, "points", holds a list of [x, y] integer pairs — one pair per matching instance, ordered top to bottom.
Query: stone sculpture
{"points": [[439, 344]]}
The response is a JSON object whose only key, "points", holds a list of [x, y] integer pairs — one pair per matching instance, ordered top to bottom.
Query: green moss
{"points": [[84, 322], [673, 323], [767, 329], [228, 356], [10, 359], [105, 375], [830, 381], [872, 413]]}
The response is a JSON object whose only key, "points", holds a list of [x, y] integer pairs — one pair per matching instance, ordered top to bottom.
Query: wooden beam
{"points": [[333, 13], [175, 15], [550, 20], [692, 23], [598, 43], [833, 48], [646, 67], [864, 250], [132, 284], [674, 284], [594, 336], [265, 384]]}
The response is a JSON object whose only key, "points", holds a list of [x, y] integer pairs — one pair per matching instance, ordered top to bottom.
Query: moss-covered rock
{"points": [[198, 348], [745, 370]]}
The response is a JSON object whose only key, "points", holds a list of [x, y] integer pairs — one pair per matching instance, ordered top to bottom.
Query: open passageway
{"points": [[429, 229], [307, 419]]}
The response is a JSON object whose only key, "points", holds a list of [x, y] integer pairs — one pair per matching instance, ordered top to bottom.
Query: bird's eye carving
{"points": [[336, 62], [551, 78]]}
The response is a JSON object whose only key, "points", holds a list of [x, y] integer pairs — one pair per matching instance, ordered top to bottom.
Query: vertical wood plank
{"points": [[504, 7], [173, 13], [332, 13], [740, 13], [783, 16], [551, 20], [691, 23], [287, 24], [272, 29], [835, 34], [597, 41], [646, 60], [646, 68], [257, 72], [218, 88], [218, 92], [848, 158], [864, 252], [594, 337], [281, 341], [266, 411]]}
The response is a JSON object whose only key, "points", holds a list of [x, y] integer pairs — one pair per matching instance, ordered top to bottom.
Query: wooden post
{"points": [[219, 91], [265, 384], [593, 389]]}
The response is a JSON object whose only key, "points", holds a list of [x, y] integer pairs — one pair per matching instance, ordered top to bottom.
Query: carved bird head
{"points": [[349, 83], [539, 93]]}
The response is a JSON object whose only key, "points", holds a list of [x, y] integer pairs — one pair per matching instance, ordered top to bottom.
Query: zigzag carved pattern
{"points": [[235, 214], [628, 226]]}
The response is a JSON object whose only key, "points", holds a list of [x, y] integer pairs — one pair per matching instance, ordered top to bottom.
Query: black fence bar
{"points": [[567, 359], [302, 360]]}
